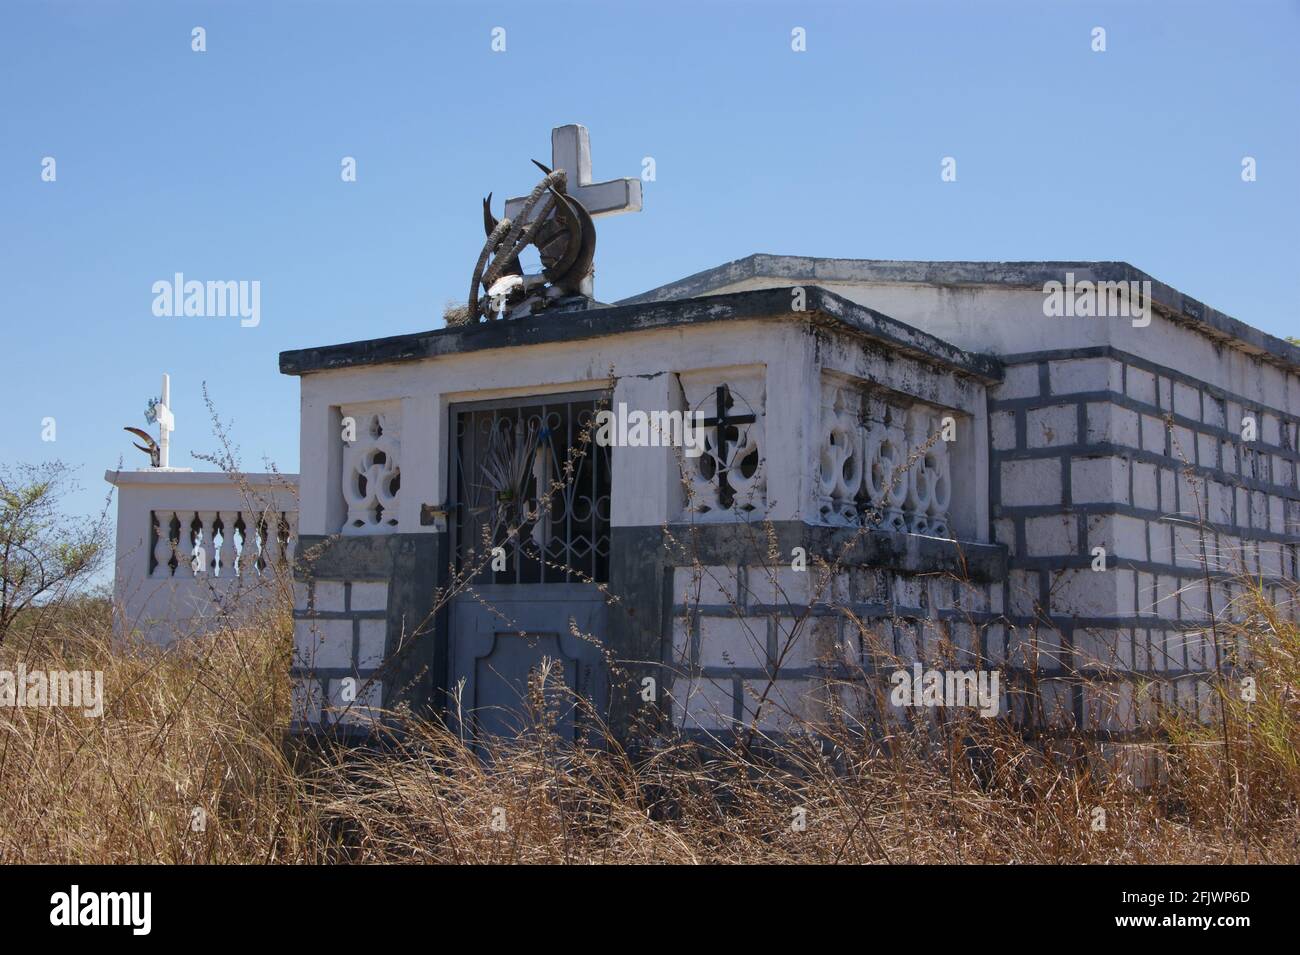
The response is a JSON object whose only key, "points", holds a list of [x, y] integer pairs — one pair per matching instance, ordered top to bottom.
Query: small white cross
{"points": [[571, 151], [166, 422]]}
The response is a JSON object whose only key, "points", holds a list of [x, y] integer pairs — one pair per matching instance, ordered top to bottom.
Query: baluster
{"points": [[830, 463], [896, 468], [848, 478], [918, 479], [940, 489], [208, 522], [290, 539], [185, 544], [272, 546], [163, 548], [248, 552], [226, 556]]}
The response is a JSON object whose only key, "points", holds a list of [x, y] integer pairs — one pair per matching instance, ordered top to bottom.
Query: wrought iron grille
{"points": [[531, 480]]}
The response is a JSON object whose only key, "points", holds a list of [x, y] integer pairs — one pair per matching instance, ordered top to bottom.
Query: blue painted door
{"points": [[526, 656]]}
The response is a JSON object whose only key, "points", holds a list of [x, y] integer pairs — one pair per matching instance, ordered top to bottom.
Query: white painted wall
{"points": [[776, 355]]}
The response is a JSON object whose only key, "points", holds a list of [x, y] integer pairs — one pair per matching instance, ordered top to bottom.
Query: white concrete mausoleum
{"points": [[1066, 434], [1055, 470]]}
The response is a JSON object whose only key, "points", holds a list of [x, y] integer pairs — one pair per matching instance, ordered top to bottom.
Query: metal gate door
{"points": [[530, 535]]}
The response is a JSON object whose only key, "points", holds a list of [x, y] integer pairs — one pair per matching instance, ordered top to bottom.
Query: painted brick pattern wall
{"points": [[1088, 449], [738, 631], [340, 634]]}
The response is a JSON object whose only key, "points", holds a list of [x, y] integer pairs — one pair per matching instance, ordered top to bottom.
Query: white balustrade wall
{"points": [[195, 548]]}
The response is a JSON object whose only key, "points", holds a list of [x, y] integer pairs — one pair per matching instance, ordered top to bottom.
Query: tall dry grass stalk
{"points": [[194, 734], [190, 762], [185, 765], [1245, 766]]}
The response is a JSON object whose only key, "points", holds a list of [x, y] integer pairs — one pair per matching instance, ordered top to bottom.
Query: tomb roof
{"points": [[798, 270], [576, 324]]}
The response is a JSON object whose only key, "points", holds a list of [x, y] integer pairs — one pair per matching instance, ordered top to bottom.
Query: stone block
{"points": [[1085, 374], [1020, 381], [1141, 385], [1164, 393], [1187, 401], [1215, 410], [1111, 424], [1002, 427], [1052, 427], [1270, 429], [1153, 434], [1182, 445], [1207, 450], [1228, 456], [1099, 480], [1026, 483], [1146, 487], [1168, 490], [1220, 496], [1004, 532], [1052, 535], [1123, 536], [1160, 536], [1187, 546], [782, 585], [705, 586], [907, 592], [1084, 592], [1023, 593], [1146, 593], [369, 595], [329, 596], [681, 632], [995, 640], [733, 641], [812, 641], [371, 643], [322, 644], [1103, 650], [1141, 650], [1167, 651], [1057, 700], [306, 701], [355, 701], [702, 703], [781, 706], [1109, 707]]}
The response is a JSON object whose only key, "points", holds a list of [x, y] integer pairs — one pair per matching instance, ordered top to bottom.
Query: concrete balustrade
{"points": [[195, 549]]}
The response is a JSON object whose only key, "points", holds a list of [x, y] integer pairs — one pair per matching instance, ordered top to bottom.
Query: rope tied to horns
{"points": [[510, 238]]}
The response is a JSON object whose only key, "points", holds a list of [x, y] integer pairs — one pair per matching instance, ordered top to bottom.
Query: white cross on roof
{"points": [[571, 151]]}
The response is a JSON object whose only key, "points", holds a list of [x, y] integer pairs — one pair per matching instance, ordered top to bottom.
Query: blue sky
{"points": [[225, 165]]}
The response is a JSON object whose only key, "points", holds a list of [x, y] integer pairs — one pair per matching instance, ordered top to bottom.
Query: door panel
{"points": [[500, 643]]}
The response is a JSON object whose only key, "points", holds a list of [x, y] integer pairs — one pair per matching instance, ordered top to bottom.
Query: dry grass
{"points": [[200, 727]]}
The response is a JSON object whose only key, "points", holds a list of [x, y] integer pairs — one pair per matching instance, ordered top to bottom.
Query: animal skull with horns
{"points": [[564, 236], [150, 447]]}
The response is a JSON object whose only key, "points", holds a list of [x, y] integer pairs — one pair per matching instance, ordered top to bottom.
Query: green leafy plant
{"points": [[45, 556]]}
